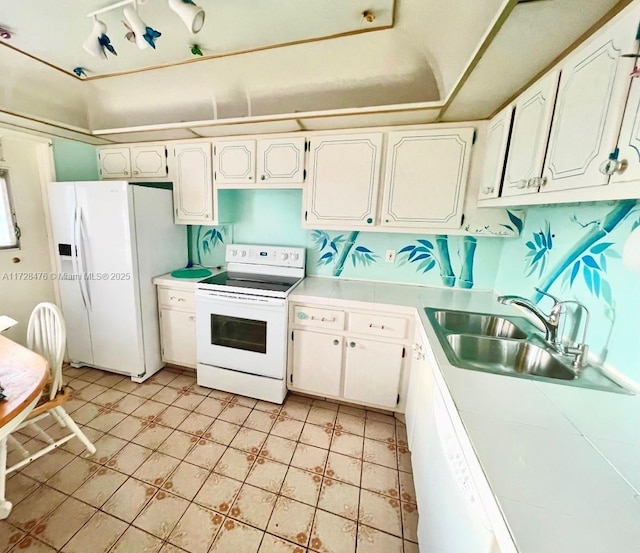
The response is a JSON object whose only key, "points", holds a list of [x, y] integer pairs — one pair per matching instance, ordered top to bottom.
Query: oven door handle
{"points": [[256, 301]]}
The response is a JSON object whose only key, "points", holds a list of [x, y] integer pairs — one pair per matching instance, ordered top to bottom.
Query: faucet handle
{"points": [[542, 292], [556, 310]]}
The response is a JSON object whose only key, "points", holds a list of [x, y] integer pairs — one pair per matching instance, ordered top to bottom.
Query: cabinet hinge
{"points": [[638, 32], [475, 136], [306, 145], [214, 150], [613, 156], [100, 171], [304, 174], [215, 175], [305, 215], [462, 220], [292, 335], [404, 352], [291, 378], [398, 399]]}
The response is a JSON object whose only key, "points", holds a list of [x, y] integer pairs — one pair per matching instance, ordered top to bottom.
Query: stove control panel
{"points": [[277, 256]]}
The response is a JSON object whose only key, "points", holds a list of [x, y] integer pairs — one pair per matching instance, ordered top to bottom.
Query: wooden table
{"points": [[23, 374]]}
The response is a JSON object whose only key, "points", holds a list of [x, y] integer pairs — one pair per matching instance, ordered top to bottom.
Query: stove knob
{"points": [[234, 252], [243, 253], [284, 256], [295, 256]]}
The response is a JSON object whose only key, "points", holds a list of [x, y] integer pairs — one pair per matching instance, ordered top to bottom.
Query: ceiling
{"points": [[273, 66]]}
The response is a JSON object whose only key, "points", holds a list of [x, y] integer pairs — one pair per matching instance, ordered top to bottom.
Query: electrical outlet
{"points": [[391, 256]]}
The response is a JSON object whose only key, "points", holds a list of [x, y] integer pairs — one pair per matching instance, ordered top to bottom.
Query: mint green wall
{"points": [[74, 160], [574, 252]]}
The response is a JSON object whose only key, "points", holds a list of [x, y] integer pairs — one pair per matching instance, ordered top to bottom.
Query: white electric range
{"points": [[241, 321]]}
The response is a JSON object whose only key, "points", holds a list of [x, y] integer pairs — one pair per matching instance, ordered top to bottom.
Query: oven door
{"points": [[241, 332]]}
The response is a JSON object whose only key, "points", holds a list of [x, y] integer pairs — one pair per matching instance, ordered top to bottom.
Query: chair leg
{"points": [[58, 419], [75, 429], [42, 433], [17, 445], [5, 506]]}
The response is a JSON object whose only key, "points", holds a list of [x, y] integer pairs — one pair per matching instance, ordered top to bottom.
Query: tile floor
{"points": [[184, 468]]}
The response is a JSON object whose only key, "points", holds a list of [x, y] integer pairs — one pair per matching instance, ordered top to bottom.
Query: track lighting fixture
{"points": [[192, 16]]}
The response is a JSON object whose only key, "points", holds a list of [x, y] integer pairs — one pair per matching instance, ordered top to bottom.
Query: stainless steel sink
{"points": [[461, 322], [507, 356]]}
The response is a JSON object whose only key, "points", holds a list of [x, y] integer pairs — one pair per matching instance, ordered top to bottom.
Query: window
{"points": [[9, 230]]}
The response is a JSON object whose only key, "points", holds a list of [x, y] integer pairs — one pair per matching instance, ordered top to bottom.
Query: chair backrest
{"points": [[46, 335]]}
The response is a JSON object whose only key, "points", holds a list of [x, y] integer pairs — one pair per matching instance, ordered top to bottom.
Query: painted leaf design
{"points": [[517, 221], [538, 238], [549, 238], [426, 244], [531, 245], [333, 246], [205, 247], [599, 248], [363, 249], [406, 249], [613, 254], [327, 256], [422, 256], [539, 256], [588, 260], [603, 262], [429, 266], [574, 271], [588, 278], [596, 284], [606, 292]]}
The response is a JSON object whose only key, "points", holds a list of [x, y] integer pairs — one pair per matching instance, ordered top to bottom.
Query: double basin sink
{"points": [[508, 345]]}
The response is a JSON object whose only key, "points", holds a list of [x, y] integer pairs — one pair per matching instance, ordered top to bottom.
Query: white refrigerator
{"points": [[111, 239]]}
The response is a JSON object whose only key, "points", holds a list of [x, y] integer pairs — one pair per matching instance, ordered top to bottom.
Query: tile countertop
{"points": [[182, 283], [563, 462]]}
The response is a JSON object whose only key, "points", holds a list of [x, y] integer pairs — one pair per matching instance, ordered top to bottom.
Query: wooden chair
{"points": [[46, 335]]}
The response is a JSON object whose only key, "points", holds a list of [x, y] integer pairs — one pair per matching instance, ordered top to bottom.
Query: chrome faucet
{"points": [[550, 322]]}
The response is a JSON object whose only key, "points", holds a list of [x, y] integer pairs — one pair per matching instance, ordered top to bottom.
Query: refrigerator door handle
{"points": [[74, 255], [82, 274]]}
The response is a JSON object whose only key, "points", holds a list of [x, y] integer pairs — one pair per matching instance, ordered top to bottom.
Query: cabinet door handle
{"points": [[611, 166], [135, 172], [263, 177], [537, 182], [520, 184], [488, 190], [176, 298], [192, 317], [371, 325], [336, 342], [352, 344]]}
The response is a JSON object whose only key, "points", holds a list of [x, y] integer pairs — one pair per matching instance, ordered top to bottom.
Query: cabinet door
{"points": [[593, 88], [531, 123], [495, 154], [149, 161], [235, 161], [281, 161], [115, 163], [627, 166], [344, 172], [426, 178], [192, 186], [178, 337], [317, 362], [372, 372], [420, 387]]}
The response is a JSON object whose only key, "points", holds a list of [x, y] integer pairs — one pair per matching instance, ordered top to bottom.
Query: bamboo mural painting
{"points": [[208, 240], [339, 249]]}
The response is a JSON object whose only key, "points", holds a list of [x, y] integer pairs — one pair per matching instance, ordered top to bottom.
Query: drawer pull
{"points": [[176, 298], [192, 317], [323, 319], [371, 325], [336, 342]]}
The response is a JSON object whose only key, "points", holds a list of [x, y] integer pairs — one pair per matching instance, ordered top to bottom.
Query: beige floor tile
{"points": [[91, 375], [164, 377], [110, 380], [182, 381], [127, 386], [147, 389], [90, 392], [167, 395], [109, 398], [189, 400], [244, 401], [325, 404], [210, 406], [268, 407], [294, 409], [149, 410], [352, 410], [236, 414], [172, 416], [321, 417], [381, 417], [106, 420], [259, 420], [350, 423], [196, 424], [127, 428], [287, 428], [381, 431], [222, 432], [401, 434], [152, 435], [316, 436], [249, 440], [178, 444], [347, 444], [76, 447], [106, 447], [278, 449], [380, 453], [205, 454], [129, 458], [310, 458], [404, 459], [235, 463], [46, 466], [344, 468], [156, 469], [267, 475], [71, 477], [380, 479], [186, 480], [302, 486], [18, 487], [100, 487], [407, 491], [218, 493], [339, 498], [127, 502], [253, 506], [29, 512], [380, 512], [161, 514], [291, 520], [410, 521], [63, 522], [196, 529], [332, 534], [97, 535], [10, 536], [237, 538], [135, 540], [371, 540], [273, 544], [33, 545], [410, 547], [168, 548]]}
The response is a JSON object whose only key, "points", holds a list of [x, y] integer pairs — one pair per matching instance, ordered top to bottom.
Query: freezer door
{"points": [[62, 207], [106, 251]]}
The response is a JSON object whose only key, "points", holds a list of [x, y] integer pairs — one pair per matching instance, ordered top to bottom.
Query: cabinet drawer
{"points": [[177, 298], [321, 318], [379, 325]]}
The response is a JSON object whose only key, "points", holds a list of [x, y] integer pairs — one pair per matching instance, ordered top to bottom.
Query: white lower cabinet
{"points": [[177, 326], [357, 356]]}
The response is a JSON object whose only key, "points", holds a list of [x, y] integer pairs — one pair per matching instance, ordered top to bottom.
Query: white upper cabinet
{"points": [[588, 114], [531, 123], [495, 153], [149, 161], [235, 161], [281, 161], [115, 163], [344, 172], [426, 178], [192, 184]]}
